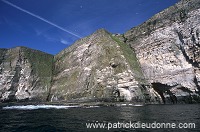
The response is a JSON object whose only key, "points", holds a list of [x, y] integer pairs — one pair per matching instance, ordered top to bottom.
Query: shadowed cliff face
{"points": [[168, 49], [99, 67], [25, 74]]}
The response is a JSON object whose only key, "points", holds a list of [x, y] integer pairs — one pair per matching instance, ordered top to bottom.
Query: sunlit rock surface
{"points": [[168, 49], [99, 67], [25, 74]]}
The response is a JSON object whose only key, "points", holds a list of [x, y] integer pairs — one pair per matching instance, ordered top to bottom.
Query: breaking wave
{"points": [[132, 105], [43, 106], [34, 107]]}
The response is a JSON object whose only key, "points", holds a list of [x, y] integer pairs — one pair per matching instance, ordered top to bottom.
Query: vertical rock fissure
{"points": [[190, 61], [15, 79], [197, 85], [49, 94]]}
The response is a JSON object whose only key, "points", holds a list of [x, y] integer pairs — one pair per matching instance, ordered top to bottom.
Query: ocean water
{"points": [[63, 118]]}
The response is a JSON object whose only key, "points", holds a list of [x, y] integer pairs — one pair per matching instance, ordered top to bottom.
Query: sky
{"points": [[53, 25]]}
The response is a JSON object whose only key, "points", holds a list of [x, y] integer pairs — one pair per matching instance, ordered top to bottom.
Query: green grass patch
{"points": [[130, 56], [41, 63]]}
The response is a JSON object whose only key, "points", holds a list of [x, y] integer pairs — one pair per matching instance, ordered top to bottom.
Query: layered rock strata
{"points": [[168, 49], [98, 68], [25, 74]]}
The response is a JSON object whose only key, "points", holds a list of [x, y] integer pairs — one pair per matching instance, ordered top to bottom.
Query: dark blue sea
{"points": [[63, 118]]}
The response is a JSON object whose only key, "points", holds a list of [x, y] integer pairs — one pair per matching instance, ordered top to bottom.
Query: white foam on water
{"points": [[132, 105], [138, 105], [93, 106], [34, 107]]}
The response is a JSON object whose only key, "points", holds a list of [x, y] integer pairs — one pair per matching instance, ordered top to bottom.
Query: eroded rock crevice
{"points": [[188, 59], [169, 96]]}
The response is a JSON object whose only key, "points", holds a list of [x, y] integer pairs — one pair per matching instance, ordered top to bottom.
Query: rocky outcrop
{"points": [[168, 49], [155, 62], [98, 68], [25, 74]]}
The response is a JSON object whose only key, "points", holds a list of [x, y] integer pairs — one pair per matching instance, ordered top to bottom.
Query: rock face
{"points": [[168, 49], [155, 62], [98, 68], [25, 74]]}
